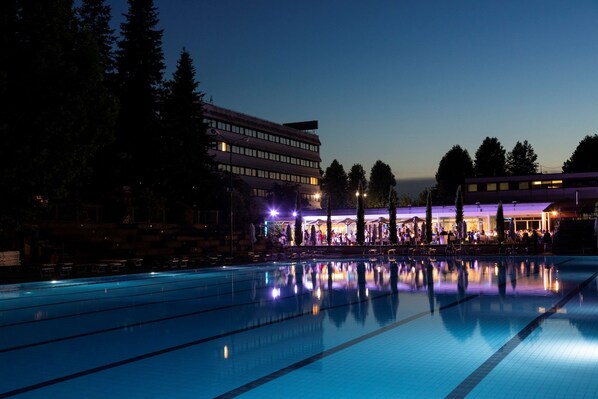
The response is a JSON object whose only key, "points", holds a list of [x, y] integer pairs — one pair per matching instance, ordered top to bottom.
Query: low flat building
{"points": [[264, 153], [553, 187]]}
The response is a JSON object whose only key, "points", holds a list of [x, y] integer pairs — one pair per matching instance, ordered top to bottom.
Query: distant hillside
{"points": [[412, 187]]}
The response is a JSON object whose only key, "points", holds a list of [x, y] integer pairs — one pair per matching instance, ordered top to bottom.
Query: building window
{"points": [[523, 185], [503, 186], [491, 187], [472, 188]]}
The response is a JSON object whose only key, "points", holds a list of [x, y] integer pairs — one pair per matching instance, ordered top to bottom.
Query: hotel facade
{"points": [[264, 153]]}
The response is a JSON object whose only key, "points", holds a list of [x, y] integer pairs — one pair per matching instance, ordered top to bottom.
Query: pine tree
{"points": [[95, 19], [140, 64], [59, 112], [522, 160], [184, 163]]}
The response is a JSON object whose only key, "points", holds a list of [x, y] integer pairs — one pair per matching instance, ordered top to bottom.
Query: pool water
{"points": [[405, 327]]}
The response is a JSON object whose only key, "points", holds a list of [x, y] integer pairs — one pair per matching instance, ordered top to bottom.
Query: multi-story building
{"points": [[264, 153], [569, 188]]}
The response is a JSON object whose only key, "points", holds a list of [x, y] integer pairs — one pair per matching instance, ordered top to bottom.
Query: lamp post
{"points": [[229, 144]]}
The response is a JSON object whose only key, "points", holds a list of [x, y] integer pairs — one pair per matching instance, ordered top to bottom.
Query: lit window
{"points": [[524, 185], [503, 186], [491, 187], [472, 188]]}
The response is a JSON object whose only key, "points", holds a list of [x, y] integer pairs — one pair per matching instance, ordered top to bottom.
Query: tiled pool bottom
{"points": [[425, 328]]}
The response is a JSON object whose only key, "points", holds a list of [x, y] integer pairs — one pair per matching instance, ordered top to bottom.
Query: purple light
{"points": [[273, 212], [294, 214]]}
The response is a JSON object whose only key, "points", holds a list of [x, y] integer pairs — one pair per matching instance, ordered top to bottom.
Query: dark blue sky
{"points": [[399, 81]]}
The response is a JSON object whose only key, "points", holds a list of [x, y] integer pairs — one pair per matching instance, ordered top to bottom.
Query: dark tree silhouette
{"points": [[95, 19], [140, 65], [57, 111], [584, 157], [490, 159], [522, 160], [184, 164], [454, 167], [356, 176], [381, 177], [334, 184], [459, 212], [392, 216], [429, 216], [298, 221], [328, 221], [500, 223], [360, 235]]}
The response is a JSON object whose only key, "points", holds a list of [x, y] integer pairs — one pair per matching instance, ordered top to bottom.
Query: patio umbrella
{"points": [[415, 219], [348, 221], [317, 222], [463, 229]]}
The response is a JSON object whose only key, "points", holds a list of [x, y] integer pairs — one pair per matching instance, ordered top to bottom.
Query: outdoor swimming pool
{"points": [[421, 327]]}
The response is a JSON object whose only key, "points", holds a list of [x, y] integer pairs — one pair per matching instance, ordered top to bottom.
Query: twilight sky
{"points": [[399, 81]]}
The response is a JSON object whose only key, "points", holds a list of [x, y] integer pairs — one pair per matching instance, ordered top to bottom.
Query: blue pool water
{"points": [[414, 328]]}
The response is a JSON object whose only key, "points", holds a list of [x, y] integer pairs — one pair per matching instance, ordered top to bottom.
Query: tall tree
{"points": [[95, 19], [140, 65], [57, 112], [584, 157], [490, 159], [522, 160], [186, 166], [454, 167], [356, 177], [381, 177], [334, 184], [459, 212], [392, 216], [429, 217], [298, 221], [328, 221], [500, 223], [360, 235]]}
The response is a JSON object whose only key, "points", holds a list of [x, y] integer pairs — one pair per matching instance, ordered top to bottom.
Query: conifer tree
{"points": [[95, 19], [140, 65], [58, 112], [184, 163], [459, 212], [392, 215], [360, 217], [429, 217], [298, 221], [328, 221], [500, 223]]}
